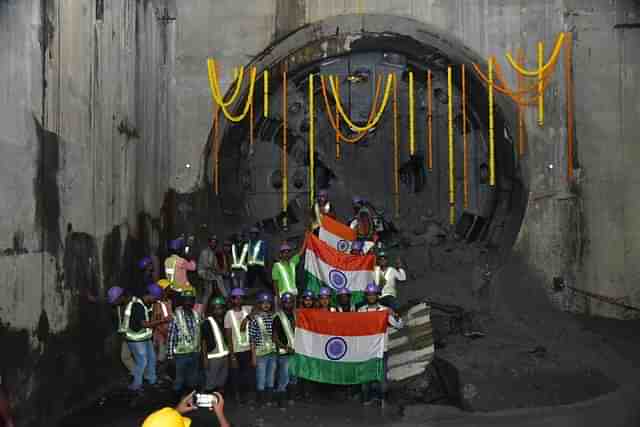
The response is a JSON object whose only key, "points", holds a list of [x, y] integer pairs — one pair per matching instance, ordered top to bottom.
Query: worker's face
{"points": [[322, 200], [253, 236], [213, 243], [226, 248], [285, 254], [383, 262], [372, 298], [344, 299], [236, 301], [324, 301], [188, 303], [307, 303], [288, 304], [265, 305], [218, 310]]}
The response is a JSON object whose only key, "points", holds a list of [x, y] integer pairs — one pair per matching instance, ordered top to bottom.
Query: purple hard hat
{"points": [[357, 200], [254, 230], [176, 244], [285, 247], [144, 262], [371, 288], [154, 290], [344, 291], [237, 292], [324, 292], [114, 293], [308, 294], [287, 296], [265, 297]]}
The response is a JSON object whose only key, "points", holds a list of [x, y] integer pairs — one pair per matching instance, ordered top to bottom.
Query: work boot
{"points": [[291, 394], [268, 397], [259, 399], [281, 399]]}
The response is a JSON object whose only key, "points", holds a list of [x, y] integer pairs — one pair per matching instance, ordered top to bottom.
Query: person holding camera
{"points": [[174, 417]]}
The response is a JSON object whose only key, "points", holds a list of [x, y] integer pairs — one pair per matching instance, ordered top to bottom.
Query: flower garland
{"points": [[215, 91]]}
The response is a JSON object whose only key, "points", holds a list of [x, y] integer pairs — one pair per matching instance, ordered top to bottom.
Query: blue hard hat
{"points": [[357, 200], [254, 230], [176, 244], [144, 262], [371, 288], [154, 290], [344, 291], [237, 292], [325, 292], [114, 293], [308, 294], [287, 296], [265, 297]]}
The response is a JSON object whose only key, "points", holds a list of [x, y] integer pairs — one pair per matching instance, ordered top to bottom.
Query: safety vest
{"points": [[253, 258], [240, 263], [170, 268], [288, 276], [380, 277], [122, 328], [288, 330], [144, 333], [241, 339], [187, 343], [267, 345], [221, 349]]}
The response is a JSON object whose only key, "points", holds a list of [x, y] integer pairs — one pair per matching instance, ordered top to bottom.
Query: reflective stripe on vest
{"points": [[253, 259], [242, 262], [170, 271], [288, 275], [380, 277], [163, 307], [121, 327], [288, 330], [144, 333], [186, 342], [241, 342], [266, 343], [221, 348]]}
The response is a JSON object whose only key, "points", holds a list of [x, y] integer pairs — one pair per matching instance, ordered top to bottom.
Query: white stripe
{"points": [[333, 240], [357, 280], [417, 321], [398, 342], [359, 349], [411, 356], [400, 373]]}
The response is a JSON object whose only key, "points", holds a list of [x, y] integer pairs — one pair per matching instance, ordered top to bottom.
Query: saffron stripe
{"points": [[338, 229], [338, 260], [342, 324]]}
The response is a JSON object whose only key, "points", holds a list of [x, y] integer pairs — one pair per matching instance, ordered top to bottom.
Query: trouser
{"points": [[257, 272], [238, 278], [221, 286], [207, 291], [390, 301], [161, 352], [126, 357], [145, 358], [187, 368], [265, 372], [216, 373], [242, 377], [284, 378], [376, 389]]}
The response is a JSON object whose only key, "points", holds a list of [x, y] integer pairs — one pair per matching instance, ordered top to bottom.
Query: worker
{"points": [[356, 205], [322, 206], [239, 253], [225, 259], [257, 260], [146, 267], [176, 267], [284, 272], [209, 273], [386, 277], [118, 298], [308, 299], [324, 299], [343, 299], [163, 311], [138, 329], [283, 336], [184, 342], [263, 350], [215, 352], [241, 373], [305, 387], [375, 390], [173, 417]]}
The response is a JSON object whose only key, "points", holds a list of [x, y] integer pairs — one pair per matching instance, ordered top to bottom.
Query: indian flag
{"points": [[336, 234], [326, 266], [339, 348]]}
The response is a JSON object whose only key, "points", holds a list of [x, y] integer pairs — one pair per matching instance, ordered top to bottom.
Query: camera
{"points": [[205, 400]]}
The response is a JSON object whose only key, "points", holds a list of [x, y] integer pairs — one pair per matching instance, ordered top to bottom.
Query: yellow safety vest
{"points": [[253, 258], [239, 263], [288, 275], [121, 327], [288, 330], [144, 333], [241, 339], [187, 343], [267, 345], [221, 347]]}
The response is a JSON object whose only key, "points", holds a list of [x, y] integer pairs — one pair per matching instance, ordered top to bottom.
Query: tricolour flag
{"points": [[336, 234], [326, 266], [339, 348]]}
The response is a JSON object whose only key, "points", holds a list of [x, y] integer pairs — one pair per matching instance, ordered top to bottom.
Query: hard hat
{"points": [[323, 193], [357, 200], [254, 230], [213, 237], [227, 242], [176, 244], [285, 247], [382, 254], [144, 262], [163, 283], [371, 288], [154, 290], [344, 291], [237, 292], [324, 292], [114, 293], [188, 293], [308, 294], [287, 296], [265, 297], [218, 301], [166, 417]]}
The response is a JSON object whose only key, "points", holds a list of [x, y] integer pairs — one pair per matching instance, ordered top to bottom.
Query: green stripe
{"points": [[314, 284], [343, 373]]}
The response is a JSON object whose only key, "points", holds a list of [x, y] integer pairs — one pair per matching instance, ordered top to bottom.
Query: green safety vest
{"points": [[253, 258], [239, 263], [288, 275], [288, 330], [144, 333], [241, 339], [187, 343], [267, 345], [221, 347]]}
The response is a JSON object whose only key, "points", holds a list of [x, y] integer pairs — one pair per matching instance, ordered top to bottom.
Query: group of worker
{"points": [[217, 342]]}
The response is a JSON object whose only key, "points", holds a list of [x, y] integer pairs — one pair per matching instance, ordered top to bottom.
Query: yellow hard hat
{"points": [[164, 283], [166, 417]]}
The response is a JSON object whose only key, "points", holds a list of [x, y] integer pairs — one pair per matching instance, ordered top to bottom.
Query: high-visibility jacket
{"points": [[255, 257], [239, 263], [288, 277], [121, 327], [288, 330], [131, 335], [240, 339], [188, 341], [267, 346], [221, 349]]}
